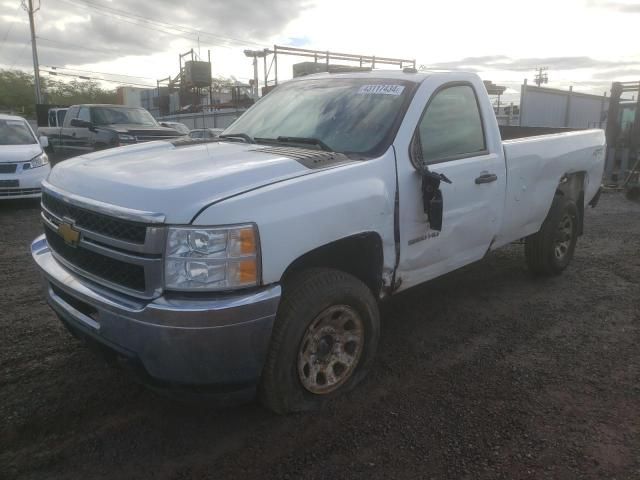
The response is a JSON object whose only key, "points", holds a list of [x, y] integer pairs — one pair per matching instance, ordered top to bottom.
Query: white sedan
{"points": [[23, 162]]}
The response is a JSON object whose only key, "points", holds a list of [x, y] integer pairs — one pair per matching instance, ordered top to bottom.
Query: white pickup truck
{"points": [[256, 261]]}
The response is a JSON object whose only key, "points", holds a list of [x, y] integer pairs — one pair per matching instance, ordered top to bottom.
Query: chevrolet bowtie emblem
{"points": [[70, 235]]}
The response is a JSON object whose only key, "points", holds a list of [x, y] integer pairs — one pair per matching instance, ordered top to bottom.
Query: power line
{"points": [[81, 5], [164, 23], [163, 27], [46, 39], [99, 73], [83, 77]]}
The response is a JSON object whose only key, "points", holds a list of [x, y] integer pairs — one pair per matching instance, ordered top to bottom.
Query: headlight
{"points": [[123, 137], [36, 162], [209, 259]]}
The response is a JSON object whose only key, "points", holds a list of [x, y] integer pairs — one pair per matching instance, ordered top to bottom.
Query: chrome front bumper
{"points": [[221, 340]]}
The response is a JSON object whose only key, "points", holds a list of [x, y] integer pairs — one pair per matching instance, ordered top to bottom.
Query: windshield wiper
{"points": [[243, 136], [299, 140]]}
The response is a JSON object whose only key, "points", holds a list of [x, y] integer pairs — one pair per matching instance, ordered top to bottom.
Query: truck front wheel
{"points": [[549, 251], [323, 341]]}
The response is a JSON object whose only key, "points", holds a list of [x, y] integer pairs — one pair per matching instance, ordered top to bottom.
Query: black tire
{"points": [[549, 251], [306, 298]]}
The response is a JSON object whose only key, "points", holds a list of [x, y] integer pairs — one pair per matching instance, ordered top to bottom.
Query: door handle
{"points": [[73, 134], [486, 178]]}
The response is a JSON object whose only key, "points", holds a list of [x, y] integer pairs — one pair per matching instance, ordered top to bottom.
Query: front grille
{"points": [[8, 167], [10, 192], [111, 227], [114, 271]]}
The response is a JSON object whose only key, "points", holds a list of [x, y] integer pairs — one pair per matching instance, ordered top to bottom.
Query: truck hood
{"points": [[19, 153], [176, 181]]}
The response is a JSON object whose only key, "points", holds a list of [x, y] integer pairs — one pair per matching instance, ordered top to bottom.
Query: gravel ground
{"points": [[484, 373]]}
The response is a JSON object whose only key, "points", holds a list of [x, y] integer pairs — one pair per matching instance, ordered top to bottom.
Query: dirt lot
{"points": [[485, 373]]}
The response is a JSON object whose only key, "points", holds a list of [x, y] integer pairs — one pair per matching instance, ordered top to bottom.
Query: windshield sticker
{"points": [[381, 90], [16, 123]]}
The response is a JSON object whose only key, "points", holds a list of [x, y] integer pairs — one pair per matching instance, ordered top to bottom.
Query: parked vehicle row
{"points": [[89, 128], [181, 128], [73, 131], [199, 133], [256, 262]]}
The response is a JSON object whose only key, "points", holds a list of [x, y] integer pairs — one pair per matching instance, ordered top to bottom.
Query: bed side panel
{"points": [[535, 167]]}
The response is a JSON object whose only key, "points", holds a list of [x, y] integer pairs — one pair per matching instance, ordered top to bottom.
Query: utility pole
{"points": [[34, 49], [255, 54], [541, 76], [255, 78]]}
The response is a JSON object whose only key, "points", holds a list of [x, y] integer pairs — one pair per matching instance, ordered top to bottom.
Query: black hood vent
{"points": [[187, 141], [308, 157]]}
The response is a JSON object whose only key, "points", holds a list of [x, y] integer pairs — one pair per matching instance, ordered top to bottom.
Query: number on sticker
{"points": [[381, 90]]}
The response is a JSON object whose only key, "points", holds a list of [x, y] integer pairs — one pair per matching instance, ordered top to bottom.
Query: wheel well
{"points": [[572, 186], [359, 255]]}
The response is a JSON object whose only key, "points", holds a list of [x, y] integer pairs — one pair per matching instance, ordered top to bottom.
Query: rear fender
{"points": [[572, 186]]}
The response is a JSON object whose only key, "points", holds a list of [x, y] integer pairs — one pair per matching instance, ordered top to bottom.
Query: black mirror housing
{"points": [[432, 197]]}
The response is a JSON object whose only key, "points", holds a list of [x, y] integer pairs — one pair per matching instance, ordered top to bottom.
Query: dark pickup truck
{"points": [[88, 128]]}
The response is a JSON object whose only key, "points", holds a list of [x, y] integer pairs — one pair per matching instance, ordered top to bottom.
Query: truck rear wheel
{"points": [[550, 250], [323, 342]]}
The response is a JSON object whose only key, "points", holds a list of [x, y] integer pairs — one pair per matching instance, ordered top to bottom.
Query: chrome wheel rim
{"points": [[564, 236], [330, 349]]}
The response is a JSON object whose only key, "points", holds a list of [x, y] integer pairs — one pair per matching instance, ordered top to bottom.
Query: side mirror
{"points": [[76, 122], [44, 141], [432, 197]]}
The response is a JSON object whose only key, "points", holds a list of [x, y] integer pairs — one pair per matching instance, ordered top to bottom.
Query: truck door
{"points": [[84, 136], [67, 137], [77, 139], [450, 139]]}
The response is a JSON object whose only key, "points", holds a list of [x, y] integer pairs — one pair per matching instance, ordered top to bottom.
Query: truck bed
{"points": [[512, 132], [536, 166]]}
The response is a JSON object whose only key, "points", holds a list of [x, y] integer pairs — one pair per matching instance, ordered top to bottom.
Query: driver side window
{"points": [[84, 114], [451, 126]]}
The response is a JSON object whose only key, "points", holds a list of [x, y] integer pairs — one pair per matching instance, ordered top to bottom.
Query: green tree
{"points": [[75, 91], [17, 92]]}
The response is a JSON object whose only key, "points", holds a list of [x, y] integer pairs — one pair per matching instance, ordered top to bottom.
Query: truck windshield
{"points": [[122, 116], [351, 116], [15, 132]]}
